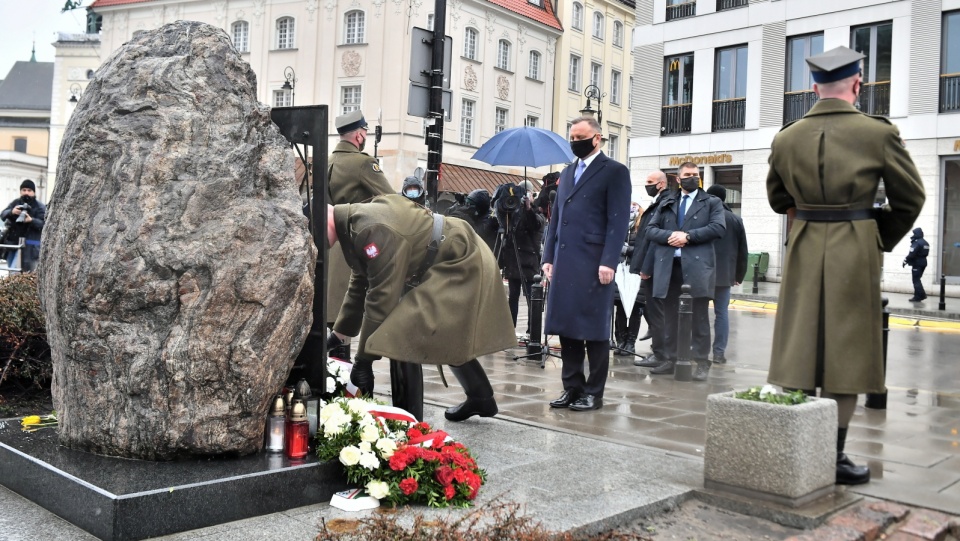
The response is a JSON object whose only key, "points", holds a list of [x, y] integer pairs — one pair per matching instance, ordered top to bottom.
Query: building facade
{"points": [[357, 55], [595, 60], [717, 79], [24, 128]]}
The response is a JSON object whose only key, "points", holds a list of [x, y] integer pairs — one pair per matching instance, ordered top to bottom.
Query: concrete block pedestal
{"points": [[781, 454]]}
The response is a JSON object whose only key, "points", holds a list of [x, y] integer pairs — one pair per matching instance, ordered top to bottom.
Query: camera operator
{"points": [[548, 192], [475, 210], [24, 217], [518, 247]]}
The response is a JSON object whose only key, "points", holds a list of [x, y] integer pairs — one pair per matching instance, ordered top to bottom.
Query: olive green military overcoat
{"points": [[354, 177], [829, 312], [456, 314]]}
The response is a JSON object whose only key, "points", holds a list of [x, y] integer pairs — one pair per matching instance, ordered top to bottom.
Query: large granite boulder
{"points": [[176, 269]]}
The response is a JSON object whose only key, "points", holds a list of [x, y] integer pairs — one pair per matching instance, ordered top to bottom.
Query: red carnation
{"points": [[444, 475], [460, 475], [409, 485], [449, 492]]}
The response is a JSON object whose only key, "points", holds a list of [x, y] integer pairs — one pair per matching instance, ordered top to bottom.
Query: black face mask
{"points": [[582, 148], [690, 183], [652, 190]]}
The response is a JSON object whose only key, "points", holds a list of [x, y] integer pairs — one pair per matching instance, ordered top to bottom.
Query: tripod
{"points": [[534, 348]]}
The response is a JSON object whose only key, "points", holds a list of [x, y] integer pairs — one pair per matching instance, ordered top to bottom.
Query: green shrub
{"points": [[24, 352], [769, 394]]}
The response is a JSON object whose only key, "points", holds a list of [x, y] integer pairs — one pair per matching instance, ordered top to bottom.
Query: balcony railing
{"points": [[730, 4], [679, 11], [950, 93], [875, 98], [796, 104], [729, 114], [676, 119]]}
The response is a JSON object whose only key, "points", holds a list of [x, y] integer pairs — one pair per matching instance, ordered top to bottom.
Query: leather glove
{"points": [[333, 341]]}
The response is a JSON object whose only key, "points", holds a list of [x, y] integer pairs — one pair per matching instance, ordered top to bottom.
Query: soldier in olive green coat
{"points": [[825, 170], [354, 176], [457, 312]]}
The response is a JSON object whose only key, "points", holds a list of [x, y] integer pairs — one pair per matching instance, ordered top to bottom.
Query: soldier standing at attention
{"points": [[824, 172], [354, 177]]}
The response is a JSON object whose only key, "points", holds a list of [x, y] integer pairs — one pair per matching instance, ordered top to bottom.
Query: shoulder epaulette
{"points": [[883, 118]]}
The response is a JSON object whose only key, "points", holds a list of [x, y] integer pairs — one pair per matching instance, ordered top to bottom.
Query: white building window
{"points": [[577, 16], [598, 25], [354, 26], [285, 33], [240, 34], [618, 34], [470, 43], [503, 54], [534, 71], [596, 74], [574, 82], [615, 87], [350, 97], [282, 98], [500, 120], [466, 121], [532, 121], [613, 145]]}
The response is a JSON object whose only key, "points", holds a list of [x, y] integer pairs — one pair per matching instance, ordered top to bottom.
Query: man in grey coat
{"points": [[681, 234], [731, 251]]}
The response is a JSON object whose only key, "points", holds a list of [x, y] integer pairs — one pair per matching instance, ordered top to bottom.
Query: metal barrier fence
{"points": [[729, 114], [19, 258]]}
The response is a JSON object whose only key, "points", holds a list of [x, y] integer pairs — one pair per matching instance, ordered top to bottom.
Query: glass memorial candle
{"points": [[275, 426], [298, 431]]}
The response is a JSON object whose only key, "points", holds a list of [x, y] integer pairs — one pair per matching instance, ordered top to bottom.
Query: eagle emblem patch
{"points": [[376, 167], [371, 250]]}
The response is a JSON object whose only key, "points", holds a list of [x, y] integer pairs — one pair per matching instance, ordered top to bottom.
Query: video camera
{"points": [[508, 203]]}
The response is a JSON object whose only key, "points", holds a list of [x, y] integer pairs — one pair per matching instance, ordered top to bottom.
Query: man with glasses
{"points": [[824, 173], [681, 235], [581, 251]]}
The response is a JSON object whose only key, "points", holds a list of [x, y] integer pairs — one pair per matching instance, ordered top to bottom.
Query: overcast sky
{"points": [[23, 21]]}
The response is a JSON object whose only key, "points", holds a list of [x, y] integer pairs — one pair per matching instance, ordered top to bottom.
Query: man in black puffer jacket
{"points": [[24, 218]]}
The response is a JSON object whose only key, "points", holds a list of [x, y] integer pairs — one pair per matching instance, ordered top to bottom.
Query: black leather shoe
{"points": [[913, 299], [719, 359], [649, 361], [666, 367], [567, 398], [587, 402], [484, 407], [849, 473]]}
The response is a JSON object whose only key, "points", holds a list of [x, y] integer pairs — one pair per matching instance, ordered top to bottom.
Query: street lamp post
{"points": [[290, 84], [75, 92], [592, 92]]}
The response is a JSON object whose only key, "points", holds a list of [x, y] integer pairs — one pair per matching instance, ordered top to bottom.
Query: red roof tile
{"points": [[531, 11], [460, 179]]}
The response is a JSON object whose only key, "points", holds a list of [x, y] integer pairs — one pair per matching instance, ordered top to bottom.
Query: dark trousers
{"points": [[918, 292], [513, 295], [653, 312], [623, 327], [700, 343], [572, 354]]}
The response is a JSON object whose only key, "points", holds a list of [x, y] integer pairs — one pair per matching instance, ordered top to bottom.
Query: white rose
{"points": [[331, 385], [767, 390], [358, 406], [329, 410], [331, 428], [369, 433], [365, 447], [387, 447], [349, 455], [369, 461], [378, 489]]}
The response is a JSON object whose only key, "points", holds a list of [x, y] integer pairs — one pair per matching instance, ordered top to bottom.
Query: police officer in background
{"points": [[824, 173], [354, 176], [917, 259]]}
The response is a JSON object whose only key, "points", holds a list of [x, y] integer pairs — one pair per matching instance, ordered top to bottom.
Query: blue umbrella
{"points": [[526, 146]]}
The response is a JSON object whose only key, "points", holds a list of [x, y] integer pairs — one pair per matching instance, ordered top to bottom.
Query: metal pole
{"points": [[435, 132], [756, 277], [943, 293], [534, 318], [684, 368], [878, 401]]}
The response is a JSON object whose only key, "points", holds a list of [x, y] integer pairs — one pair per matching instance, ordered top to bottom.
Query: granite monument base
{"points": [[121, 499]]}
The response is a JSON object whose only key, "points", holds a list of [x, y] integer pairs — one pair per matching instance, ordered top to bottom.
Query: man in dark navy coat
{"points": [[682, 233], [581, 251]]}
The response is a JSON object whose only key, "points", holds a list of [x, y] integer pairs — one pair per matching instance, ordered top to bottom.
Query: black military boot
{"points": [[630, 345], [703, 367], [361, 375], [406, 386], [479, 393], [848, 473]]}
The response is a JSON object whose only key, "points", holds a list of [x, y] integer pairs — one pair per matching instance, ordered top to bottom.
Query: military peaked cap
{"points": [[835, 64], [350, 121]]}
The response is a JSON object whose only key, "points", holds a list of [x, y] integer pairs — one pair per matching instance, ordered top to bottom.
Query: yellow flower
{"points": [[31, 420]]}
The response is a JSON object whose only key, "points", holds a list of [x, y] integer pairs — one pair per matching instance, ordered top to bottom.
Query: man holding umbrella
{"points": [[582, 250]]}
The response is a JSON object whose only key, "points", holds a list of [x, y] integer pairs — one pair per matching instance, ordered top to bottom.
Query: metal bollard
{"points": [[756, 278], [943, 293], [534, 316], [684, 368], [878, 401]]}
